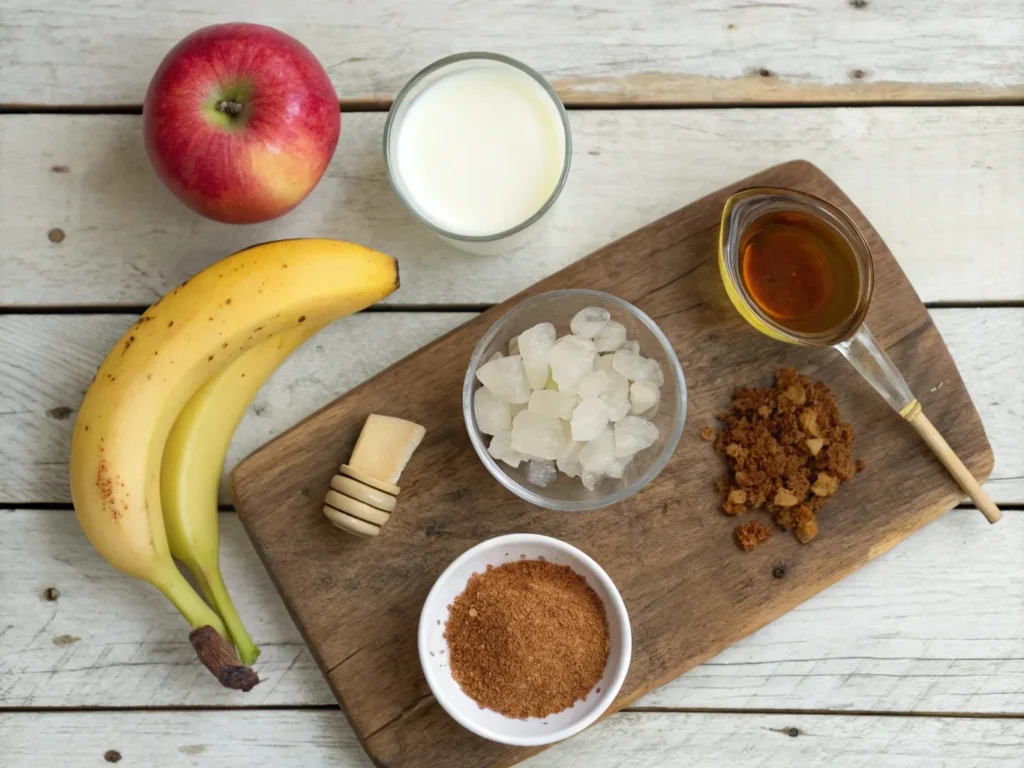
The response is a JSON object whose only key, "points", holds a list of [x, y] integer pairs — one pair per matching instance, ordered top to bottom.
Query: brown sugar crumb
{"points": [[707, 434], [788, 451], [825, 484], [735, 502], [805, 527], [749, 535], [527, 639]]}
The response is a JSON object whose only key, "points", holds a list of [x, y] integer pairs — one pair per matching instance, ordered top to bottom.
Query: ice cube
{"points": [[589, 322], [611, 337], [513, 345], [534, 346], [633, 346], [496, 356], [571, 359], [604, 363], [629, 364], [653, 372], [506, 378], [594, 383], [608, 385], [618, 385], [611, 387], [643, 396], [556, 404], [618, 405], [515, 408], [492, 415], [589, 419], [632, 434], [539, 437], [501, 449], [596, 455], [569, 462], [617, 467], [541, 473], [591, 479]]}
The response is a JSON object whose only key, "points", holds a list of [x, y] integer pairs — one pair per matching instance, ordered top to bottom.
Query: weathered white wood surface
{"points": [[613, 51], [942, 185], [47, 362], [935, 625], [290, 739]]}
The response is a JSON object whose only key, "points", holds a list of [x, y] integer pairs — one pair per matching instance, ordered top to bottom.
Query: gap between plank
{"points": [[371, 106], [138, 309], [66, 506], [634, 710]]}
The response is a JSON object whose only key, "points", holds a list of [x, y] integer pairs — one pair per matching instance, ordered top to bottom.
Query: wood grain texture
{"points": [[614, 51], [941, 184], [49, 360], [357, 606], [920, 629], [289, 739]]}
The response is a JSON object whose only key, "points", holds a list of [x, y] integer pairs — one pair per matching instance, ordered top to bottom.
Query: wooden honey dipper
{"points": [[363, 494]]}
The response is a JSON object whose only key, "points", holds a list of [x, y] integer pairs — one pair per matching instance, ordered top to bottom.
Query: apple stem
{"points": [[231, 107]]}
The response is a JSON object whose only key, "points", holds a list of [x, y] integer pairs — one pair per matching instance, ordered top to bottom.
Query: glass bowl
{"points": [[565, 493]]}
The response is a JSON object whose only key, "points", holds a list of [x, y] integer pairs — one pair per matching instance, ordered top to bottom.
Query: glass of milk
{"points": [[477, 146]]}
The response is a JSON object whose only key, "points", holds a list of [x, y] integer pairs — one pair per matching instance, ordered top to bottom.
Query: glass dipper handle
{"points": [[874, 365]]}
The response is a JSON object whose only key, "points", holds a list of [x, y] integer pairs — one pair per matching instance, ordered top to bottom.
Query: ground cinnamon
{"points": [[527, 639]]}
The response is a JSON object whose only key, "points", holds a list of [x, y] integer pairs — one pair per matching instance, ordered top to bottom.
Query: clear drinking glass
{"points": [[480, 244], [565, 493]]}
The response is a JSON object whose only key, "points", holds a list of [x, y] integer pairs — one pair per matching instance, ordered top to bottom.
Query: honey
{"points": [[799, 271]]}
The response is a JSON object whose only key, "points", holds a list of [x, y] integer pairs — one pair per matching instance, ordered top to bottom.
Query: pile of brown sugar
{"points": [[788, 451], [527, 639]]}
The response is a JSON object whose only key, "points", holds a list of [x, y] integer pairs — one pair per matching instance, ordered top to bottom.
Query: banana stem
{"points": [[212, 585], [196, 612], [218, 656]]}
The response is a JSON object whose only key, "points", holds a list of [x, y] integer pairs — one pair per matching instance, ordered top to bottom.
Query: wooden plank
{"points": [[616, 52], [941, 184], [49, 360], [354, 604], [918, 630], [297, 739]]}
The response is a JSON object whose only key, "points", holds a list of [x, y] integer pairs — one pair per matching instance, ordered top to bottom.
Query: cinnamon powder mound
{"points": [[788, 451], [527, 639]]}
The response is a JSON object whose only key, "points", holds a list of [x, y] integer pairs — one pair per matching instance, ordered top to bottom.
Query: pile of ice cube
{"points": [[581, 403]]}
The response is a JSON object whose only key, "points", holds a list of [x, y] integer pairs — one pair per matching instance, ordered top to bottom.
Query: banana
{"points": [[179, 343], [194, 459]]}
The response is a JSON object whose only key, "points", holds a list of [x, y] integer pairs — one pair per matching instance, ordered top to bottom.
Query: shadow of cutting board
{"points": [[690, 593]]}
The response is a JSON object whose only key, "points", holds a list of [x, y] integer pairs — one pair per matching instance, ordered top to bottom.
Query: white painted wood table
{"points": [[916, 110]]}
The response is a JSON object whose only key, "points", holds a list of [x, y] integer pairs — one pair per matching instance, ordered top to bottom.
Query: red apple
{"points": [[240, 122]]}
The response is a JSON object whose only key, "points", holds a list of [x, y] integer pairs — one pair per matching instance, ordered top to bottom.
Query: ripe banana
{"points": [[188, 336], [194, 459]]}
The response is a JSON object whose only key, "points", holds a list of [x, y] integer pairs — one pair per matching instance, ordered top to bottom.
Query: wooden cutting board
{"points": [[690, 593]]}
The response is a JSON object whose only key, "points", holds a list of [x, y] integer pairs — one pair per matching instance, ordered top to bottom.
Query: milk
{"points": [[480, 150]]}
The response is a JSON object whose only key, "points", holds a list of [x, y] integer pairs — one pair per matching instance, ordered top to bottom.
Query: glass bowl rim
{"points": [[456, 58], [832, 216], [476, 437]]}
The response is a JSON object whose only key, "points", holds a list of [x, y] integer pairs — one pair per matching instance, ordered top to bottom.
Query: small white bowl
{"points": [[433, 647]]}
